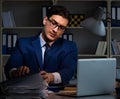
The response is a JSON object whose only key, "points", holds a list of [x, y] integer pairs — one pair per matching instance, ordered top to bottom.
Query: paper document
{"points": [[30, 85]]}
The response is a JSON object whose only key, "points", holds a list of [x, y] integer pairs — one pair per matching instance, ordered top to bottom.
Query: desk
{"points": [[53, 96]]}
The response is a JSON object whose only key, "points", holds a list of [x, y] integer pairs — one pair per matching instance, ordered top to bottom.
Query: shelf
{"points": [[25, 0], [51, 0], [82, 0], [115, 0], [23, 28], [39, 28], [115, 28], [6, 55], [79, 55], [91, 55], [115, 55]]}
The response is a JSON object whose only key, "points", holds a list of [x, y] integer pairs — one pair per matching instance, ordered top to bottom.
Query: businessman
{"points": [[58, 64]]}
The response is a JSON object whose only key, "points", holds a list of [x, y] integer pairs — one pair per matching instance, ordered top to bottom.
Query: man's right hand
{"points": [[23, 70]]}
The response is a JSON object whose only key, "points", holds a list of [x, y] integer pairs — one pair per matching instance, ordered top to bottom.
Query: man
{"points": [[28, 56]]}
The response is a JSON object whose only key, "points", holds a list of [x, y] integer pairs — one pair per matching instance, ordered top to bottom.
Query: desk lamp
{"points": [[95, 24]]}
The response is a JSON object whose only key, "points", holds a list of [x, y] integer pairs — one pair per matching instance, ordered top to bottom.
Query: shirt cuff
{"points": [[11, 71], [57, 78]]}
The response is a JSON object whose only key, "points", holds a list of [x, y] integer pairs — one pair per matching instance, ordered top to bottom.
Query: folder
{"points": [[118, 13], [113, 15], [104, 17], [64, 36], [70, 36], [14, 39], [4, 43], [9, 43]]}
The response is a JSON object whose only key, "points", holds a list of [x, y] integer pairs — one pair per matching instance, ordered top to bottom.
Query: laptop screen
{"points": [[96, 76]]}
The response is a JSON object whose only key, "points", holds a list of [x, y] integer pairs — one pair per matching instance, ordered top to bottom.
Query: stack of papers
{"points": [[28, 86]]}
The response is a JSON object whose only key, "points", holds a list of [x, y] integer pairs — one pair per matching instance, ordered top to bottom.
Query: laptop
{"points": [[95, 76]]}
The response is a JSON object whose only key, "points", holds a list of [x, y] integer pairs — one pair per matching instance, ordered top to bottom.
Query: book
{"points": [[8, 19], [115, 46], [118, 46], [104, 47], [101, 48]]}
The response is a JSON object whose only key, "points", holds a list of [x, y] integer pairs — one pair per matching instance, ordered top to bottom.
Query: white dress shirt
{"points": [[57, 77]]}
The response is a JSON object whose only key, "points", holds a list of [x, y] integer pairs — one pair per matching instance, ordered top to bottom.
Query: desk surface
{"points": [[53, 96]]}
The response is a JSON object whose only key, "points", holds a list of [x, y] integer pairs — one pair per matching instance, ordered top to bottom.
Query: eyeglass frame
{"points": [[56, 24]]}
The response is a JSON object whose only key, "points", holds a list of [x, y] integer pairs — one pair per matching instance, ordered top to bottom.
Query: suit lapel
{"points": [[38, 51]]}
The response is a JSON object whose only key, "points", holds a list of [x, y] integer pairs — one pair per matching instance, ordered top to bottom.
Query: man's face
{"points": [[54, 27]]}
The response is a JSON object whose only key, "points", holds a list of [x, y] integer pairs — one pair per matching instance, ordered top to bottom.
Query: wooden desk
{"points": [[53, 96]]}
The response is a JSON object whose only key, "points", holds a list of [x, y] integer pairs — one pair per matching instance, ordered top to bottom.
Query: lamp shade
{"points": [[95, 24]]}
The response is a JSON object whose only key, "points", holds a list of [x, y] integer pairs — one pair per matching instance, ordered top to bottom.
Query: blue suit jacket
{"points": [[62, 57]]}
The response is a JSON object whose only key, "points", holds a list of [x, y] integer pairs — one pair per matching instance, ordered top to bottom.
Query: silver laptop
{"points": [[95, 77]]}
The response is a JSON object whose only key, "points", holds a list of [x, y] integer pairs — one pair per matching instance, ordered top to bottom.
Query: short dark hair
{"points": [[58, 10]]}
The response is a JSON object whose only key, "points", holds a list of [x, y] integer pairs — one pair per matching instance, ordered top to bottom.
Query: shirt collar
{"points": [[42, 41]]}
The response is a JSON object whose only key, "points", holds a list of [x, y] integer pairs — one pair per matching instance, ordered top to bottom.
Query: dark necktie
{"points": [[46, 54]]}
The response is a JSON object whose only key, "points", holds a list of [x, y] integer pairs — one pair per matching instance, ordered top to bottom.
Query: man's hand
{"points": [[20, 71], [48, 77]]}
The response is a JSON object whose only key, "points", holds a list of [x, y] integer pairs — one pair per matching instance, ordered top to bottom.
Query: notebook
{"points": [[95, 76]]}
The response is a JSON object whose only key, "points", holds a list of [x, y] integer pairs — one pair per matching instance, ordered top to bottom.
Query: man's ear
{"points": [[45, 20]]}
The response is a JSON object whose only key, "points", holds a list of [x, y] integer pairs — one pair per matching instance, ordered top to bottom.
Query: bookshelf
{"points": [[28, 22], [115, 28]]}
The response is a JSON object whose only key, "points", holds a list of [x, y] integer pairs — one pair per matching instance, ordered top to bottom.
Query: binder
{"points": [[44, 10], [113, 13], [118, 13], [115, 16], [104, 17], [64, 36], [70, 37], [14, 39], [4, 43], [9, 43]]}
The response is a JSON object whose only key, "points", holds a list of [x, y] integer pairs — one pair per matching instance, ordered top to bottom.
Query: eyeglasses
{"points": [[54, 24]]}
